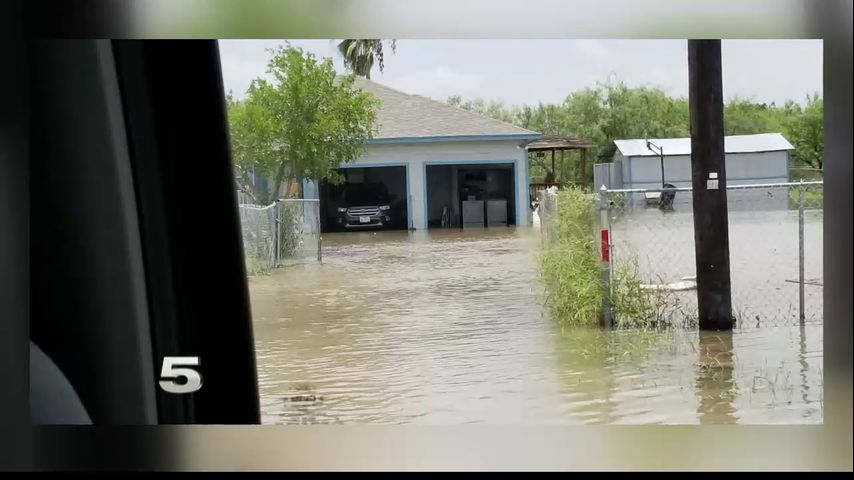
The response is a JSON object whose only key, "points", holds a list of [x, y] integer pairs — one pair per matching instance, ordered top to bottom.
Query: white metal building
{"points": [[432, 157], [762, 158]]}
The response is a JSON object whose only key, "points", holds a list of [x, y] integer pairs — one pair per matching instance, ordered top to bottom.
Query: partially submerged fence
{"points": [[285, 232], [775, 244]]}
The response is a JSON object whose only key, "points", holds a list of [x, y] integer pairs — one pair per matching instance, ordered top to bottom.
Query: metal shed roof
{"points": [[407, 117], [763, 142]]}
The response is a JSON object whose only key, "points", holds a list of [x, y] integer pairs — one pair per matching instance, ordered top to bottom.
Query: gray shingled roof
{"points": [[402, 115]]}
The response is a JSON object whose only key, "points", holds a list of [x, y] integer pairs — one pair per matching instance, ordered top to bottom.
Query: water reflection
{"points": [[448, 328], [716, 389]]}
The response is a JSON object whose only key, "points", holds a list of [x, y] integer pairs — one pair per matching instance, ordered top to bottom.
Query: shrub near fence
{"points": [[569, 261], [571, 269]]}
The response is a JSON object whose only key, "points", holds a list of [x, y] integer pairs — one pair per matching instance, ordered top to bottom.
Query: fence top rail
{"points": [[728, 187], [250, 206]]}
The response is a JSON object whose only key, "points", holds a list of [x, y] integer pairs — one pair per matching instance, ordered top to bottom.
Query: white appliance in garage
{"points": [[496, 212], [472, 213]]}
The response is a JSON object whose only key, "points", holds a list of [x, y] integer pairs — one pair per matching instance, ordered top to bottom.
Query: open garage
{"points": [[438, 164], [364, 193], [470, 195]]}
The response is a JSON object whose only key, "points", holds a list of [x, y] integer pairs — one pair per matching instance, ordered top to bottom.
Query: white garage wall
{"points": [[416, 155]]}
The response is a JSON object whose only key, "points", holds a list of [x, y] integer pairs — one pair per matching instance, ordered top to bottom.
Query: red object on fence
{"points": [[606, 247]]}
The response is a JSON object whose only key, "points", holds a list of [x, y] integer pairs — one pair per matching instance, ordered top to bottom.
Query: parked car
{"points": [[364, 205]]}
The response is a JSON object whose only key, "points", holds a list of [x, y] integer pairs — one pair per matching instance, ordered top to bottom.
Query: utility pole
{"points": [[708, 179]]}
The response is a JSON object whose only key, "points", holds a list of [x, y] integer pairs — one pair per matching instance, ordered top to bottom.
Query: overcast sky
{"points": [[533, 71]]}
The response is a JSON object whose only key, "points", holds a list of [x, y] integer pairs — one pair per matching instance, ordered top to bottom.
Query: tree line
{"points": [[611, 110], [307, 120]]}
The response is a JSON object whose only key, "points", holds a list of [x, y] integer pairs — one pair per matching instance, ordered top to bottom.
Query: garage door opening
{"points": [[471, 195], [368, 198]]}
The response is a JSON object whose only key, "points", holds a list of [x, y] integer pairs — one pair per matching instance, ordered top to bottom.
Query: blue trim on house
{"points": [[454, 138], [465, 162], [391, 164], [369, 165], [528, 211], [409, 218]]}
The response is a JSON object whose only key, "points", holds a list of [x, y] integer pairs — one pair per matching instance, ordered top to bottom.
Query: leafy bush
{"points": [[569, 263]]}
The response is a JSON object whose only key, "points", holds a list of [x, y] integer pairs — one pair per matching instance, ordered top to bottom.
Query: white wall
{"points": [[417, 155], [741, 168], [609, 174]]}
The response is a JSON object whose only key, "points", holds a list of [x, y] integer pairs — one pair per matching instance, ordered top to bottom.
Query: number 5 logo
{"points": [[170, 373]]}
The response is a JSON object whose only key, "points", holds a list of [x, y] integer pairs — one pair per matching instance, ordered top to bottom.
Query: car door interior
{"points": [[136, 252]]}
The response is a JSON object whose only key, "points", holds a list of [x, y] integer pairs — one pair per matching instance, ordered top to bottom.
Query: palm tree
{"points": [[361, 54]]}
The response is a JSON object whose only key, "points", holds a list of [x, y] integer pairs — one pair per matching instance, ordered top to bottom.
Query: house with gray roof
{"points": [[437, 165]]}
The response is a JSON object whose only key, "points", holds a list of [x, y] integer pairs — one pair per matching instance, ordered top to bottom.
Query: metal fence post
{"points": [[277, 232], [319, 232], [605, 249], [801, 307]]}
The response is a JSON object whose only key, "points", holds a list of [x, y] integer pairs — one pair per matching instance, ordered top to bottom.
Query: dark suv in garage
{"points": [[364, 205]]}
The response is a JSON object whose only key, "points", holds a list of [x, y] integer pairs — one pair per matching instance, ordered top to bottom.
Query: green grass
{"points": [[813, 197], [569, 263], [256, 266]]}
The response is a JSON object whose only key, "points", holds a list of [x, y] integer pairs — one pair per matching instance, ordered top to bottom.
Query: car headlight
{"points": [[385, 207], [342, 209]]}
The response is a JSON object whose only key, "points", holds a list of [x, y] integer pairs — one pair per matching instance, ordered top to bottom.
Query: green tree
{"points": [[360, 55], [611, 110], [744, 117], [302, 124], [804, 127]]}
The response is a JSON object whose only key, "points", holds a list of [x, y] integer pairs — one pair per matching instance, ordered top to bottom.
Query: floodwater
{"points": [[763, 248], [447, 327]]}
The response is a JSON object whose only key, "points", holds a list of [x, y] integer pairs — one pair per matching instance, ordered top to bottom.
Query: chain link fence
{"points": [[547, 212], [299, 231], [285, 232], [775, 244]]}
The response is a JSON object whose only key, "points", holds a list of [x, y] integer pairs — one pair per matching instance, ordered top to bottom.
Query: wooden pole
{"points": [[554, 174], [583, 179], [708, 179]]}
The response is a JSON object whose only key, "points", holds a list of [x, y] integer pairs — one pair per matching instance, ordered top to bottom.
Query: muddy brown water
{"points": [[447, 327]]}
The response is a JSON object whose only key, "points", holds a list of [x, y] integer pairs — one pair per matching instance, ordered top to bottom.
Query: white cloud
{"points": [[592, 49], [533, 71], [438, 82]]}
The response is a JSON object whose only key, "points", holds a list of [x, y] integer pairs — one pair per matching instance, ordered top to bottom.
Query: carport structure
{"points": [[543, 152]]}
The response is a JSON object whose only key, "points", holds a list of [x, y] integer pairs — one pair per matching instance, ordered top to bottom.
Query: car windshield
{"points": [[365, 194]]}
